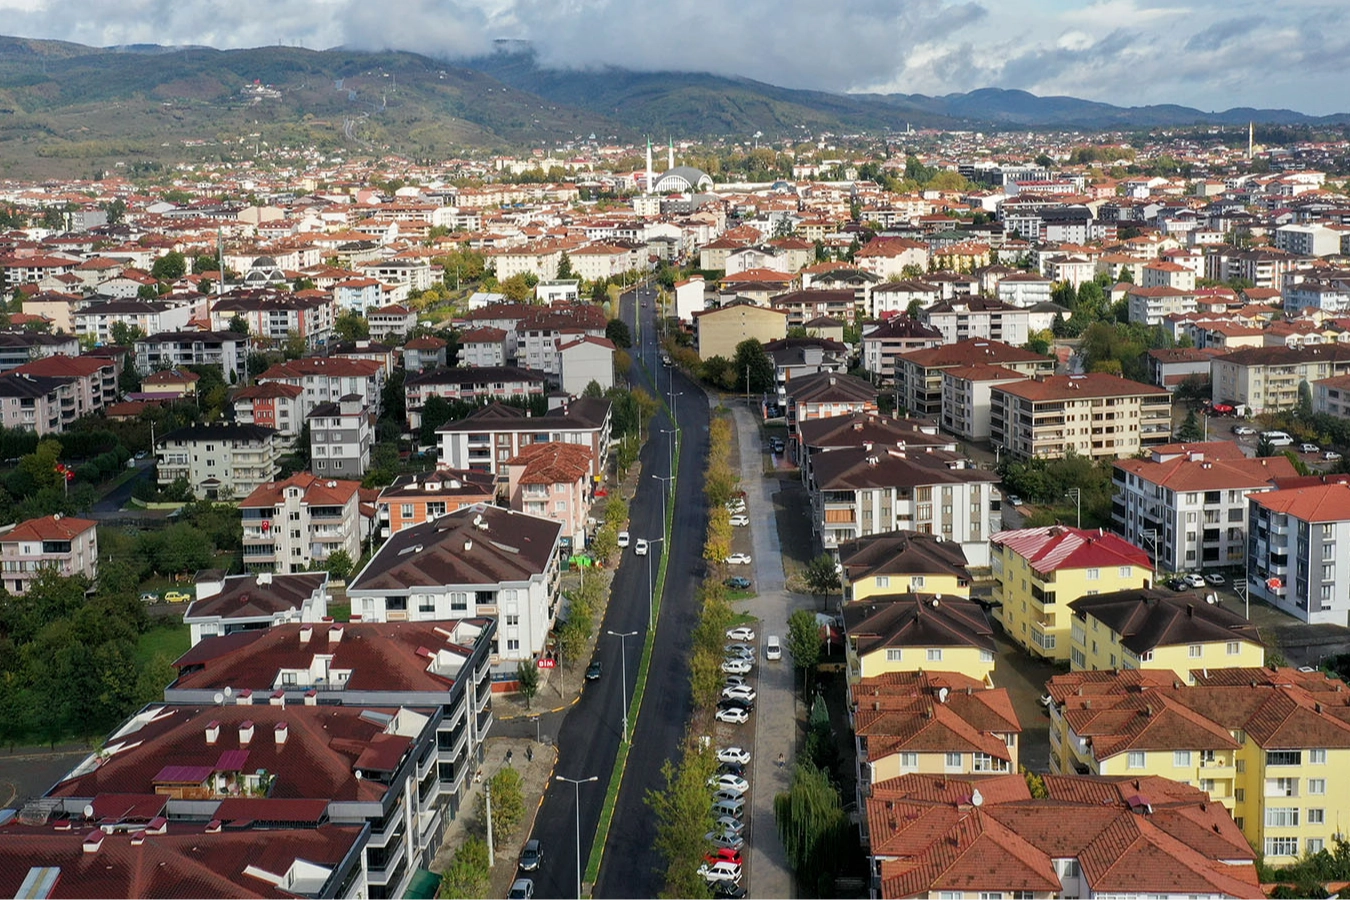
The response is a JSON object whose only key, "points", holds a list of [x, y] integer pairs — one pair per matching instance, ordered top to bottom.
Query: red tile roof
{"points": [[552, 462], [317, 491], [1319, 503], [48, 528], [1060, 547]]}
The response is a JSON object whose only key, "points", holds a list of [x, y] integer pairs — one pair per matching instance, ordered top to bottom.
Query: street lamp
{"points": [[674, 405], [670, 447], [665, 494], [1078, 498], [651, 590], [623, 656], [487, 787], [576, 790]]}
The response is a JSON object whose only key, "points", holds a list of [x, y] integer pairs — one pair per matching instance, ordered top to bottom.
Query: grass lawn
{"points": [[735, 596], [340, 610], [742, 619], [170, 638]]}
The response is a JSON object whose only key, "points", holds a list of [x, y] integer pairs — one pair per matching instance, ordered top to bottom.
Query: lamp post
{"points": [[674, 404], [670, 447], [1077, 494], [665, 496], [651, 590], [623, 657], [576, 784], [487, 788]]}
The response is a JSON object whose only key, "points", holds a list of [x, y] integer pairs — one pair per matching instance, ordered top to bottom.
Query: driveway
{"points": [[1024, 677]]}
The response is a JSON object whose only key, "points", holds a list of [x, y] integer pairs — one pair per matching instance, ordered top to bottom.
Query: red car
{"points": [[723, 854]]}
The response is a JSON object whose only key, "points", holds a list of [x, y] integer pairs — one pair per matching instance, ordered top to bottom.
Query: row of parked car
{"points": [[1187, 582]]}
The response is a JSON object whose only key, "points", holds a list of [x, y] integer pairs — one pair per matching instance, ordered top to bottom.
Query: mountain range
{"points": [[66, 108]]}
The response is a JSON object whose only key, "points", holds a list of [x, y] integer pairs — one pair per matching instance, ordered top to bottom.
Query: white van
{"points": [[1277, 438], [773, 650], [729, 807]]}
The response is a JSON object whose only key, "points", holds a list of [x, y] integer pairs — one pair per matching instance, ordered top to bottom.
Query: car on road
{"points": [[1243, 430], [1307, 447], [141, 454], [1330, 455], [1014, 500], [740, 520], [640, 548], [738, 559], [1215, 578], [1193, 580], [737, 583], [1177, 584], [149, 597], [176, 597], [741, 634], [773, 649], [744, 651], [737, 666], [594, 670], [739, 692], [736, 703], [732, 716], [733, 755], [731, 769], [731, 783], [728, 824], [721, 839], [724, 855], [531, 856], [720, 871], [521, 889], [727, 890]]}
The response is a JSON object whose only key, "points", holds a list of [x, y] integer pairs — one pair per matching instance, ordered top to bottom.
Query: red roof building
{"points": [[67, 545]]}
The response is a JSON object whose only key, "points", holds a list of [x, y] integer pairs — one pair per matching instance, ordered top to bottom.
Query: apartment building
{"points": [[1023, 290], [895, 297], [1151, 305], [803, 306], [275, 315], [977, 318], [95, 321], [391, 322], [718, 331], [883, 344], [19, 347], [482, 347], [175, 349], [424, 353], [584, 361], [93, 379], [329, 379], [1267, 379], [471, 383], [918, 383], [966, 392], [826, 395], [1331, 396], [37, 403], [271, 405], [1093, 415], [854, 431], [340, 438], [485, 440], [219, 461], [552, 480], [873, 490], [414, 499], [1188, 503], [289, 525], [1296, 539], [61, 544], [902, 560], [477, 561], [1036, 567], [258, 600], [1146, 628], [918, 632], [1265, 743], [1116, 837]]}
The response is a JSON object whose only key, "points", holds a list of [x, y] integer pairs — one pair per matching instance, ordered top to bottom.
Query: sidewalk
{"points": [[776, 716]]}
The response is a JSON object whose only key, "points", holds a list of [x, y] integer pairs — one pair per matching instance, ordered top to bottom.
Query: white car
{"points": [[1243, 430], [1309, 448], [1330, 455], [736, 509], [740, 519], [623, 539], [640, 548], [738, 559], [1215, 578], [1195, 581], [741, 634], [744, 651], [737, 666], [733, 680], [739, 692], [732, 716], [735, 755], [729, 783], [729, 825], [721, 871]]}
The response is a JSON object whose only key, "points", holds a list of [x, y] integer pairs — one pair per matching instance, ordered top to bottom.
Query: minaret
{"points": [[1251, 135], [672, 154], [651, 176]]}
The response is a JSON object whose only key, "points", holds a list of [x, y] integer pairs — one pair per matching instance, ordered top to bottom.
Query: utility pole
{"points": [[1078, 498], [651, 588], [623, 656], [576, 791]]}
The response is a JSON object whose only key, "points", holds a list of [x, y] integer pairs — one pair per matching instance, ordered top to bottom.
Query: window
{"points": [[406, 510], [1126, 571], [1094, 574], [883, 581], [916, 582], [459, 601], [513, 620], [512, 644], [1233, 648], [1195, 651], [893, 654], [935, 654], [987, 656], [1284, 757], [1317, 757], [1181, 758], [909, 760], [1135, 760], [953, 761], [1317, 786], [1281, 787], [1240, 795], [1281, 816], [1317, 816], [1315, 845], [1282, 846], [991, 895]]}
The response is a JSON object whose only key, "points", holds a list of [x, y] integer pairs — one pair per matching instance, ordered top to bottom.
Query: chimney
{"points": [[867, 446], [468, 545], [264, 578], [1190, 610], [306, 632], [335, 634], [244, 697], [311, 697], [278, 698], [213, 731], [245, 731], [280, 731], [93, 840]]}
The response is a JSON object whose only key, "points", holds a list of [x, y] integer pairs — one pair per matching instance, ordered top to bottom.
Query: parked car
{"points": [[1243, 430], [1307, 447], [141, 454], [1330, 455], [1014, 500], [740, 520], [624, 539], [640, 548], [738, 559], [1215, 578], [1193, 580], [737, 583], [1177, 584], [176, 597], [149, 598], [741, 634], [745, 651], [737, 666], [594, 670], [733, 680], [739, 692], [736, 703], [732, 716], [733, 755], [731, 769], [733, 783], [728, 824], [722, 839], [724, 855], [531, 856], [720, 871], [521, 889], [727, 890]]}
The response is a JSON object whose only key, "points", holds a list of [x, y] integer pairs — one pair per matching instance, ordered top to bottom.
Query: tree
{"points": [[205, 262], [169, 267], [565, 267], [518, 287], [238, 325], [351, 326], [618, 333], [124, 335], [295, 346], [753, 363], [1304, 408], [1190, 429], [1264, 447], [717, 547], [339, 565], [821, 576], [803, 641], [527, 677], [508, 803], [682, 819], [813, 827], [468, 875]]}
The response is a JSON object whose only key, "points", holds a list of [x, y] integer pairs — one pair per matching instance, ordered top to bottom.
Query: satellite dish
{"points": [[1211, 598], [228, 692], [942, 695], [219, 698], [976, 798], [89, 812]]}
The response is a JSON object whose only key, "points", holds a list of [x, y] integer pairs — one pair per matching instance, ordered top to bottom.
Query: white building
{"points": [[1308, 240], [1024, 290], [689, 298], [584, 360], [219, 461], [288, 525], [1298, 540], [226, 605]]}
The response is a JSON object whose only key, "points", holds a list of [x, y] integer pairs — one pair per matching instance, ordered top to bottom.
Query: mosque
{"points": [[676, 179]]}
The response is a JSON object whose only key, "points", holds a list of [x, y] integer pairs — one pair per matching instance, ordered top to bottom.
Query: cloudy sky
{"points": [[1210, 54]]}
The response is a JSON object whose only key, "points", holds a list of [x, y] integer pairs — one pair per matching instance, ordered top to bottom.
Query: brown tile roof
{"points": [[971, 352], [1069, 387], [859, 428], [552, 462], [1209, 474], [317, 491], [1318, 503], [48, 528], [901, 553], [247, 596], [1147, 619], [916, 620]]}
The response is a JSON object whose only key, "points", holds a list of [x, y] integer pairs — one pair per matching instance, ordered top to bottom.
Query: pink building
{"points": [[551, 480], [70, 546]]}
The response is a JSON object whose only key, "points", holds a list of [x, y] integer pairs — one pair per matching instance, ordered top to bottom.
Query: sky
{"points": [[1209, 54]]}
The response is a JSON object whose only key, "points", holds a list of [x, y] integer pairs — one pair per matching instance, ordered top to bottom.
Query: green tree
{"points": [[205, 262], [169, 267], [565, 267], [519, 287], [238, 325], [351, 326], [618, 333], [124, 335], [296, 346], [754, 364], [1304, 408], [1190, 429], [339, 565], [821, 576], [803, 643], [527, 677], [508, 804], [682, 819], [813, 827], [468, 875]]}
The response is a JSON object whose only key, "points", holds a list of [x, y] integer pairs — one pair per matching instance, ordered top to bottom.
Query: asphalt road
{"points": [[588, 738]]}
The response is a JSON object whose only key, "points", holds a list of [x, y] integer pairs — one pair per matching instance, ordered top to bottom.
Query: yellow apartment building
{"points": [[903, 561], [1039, 571], [918, 632]]}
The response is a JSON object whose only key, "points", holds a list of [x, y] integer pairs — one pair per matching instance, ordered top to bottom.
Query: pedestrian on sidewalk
{"points": [[781, 761]]}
